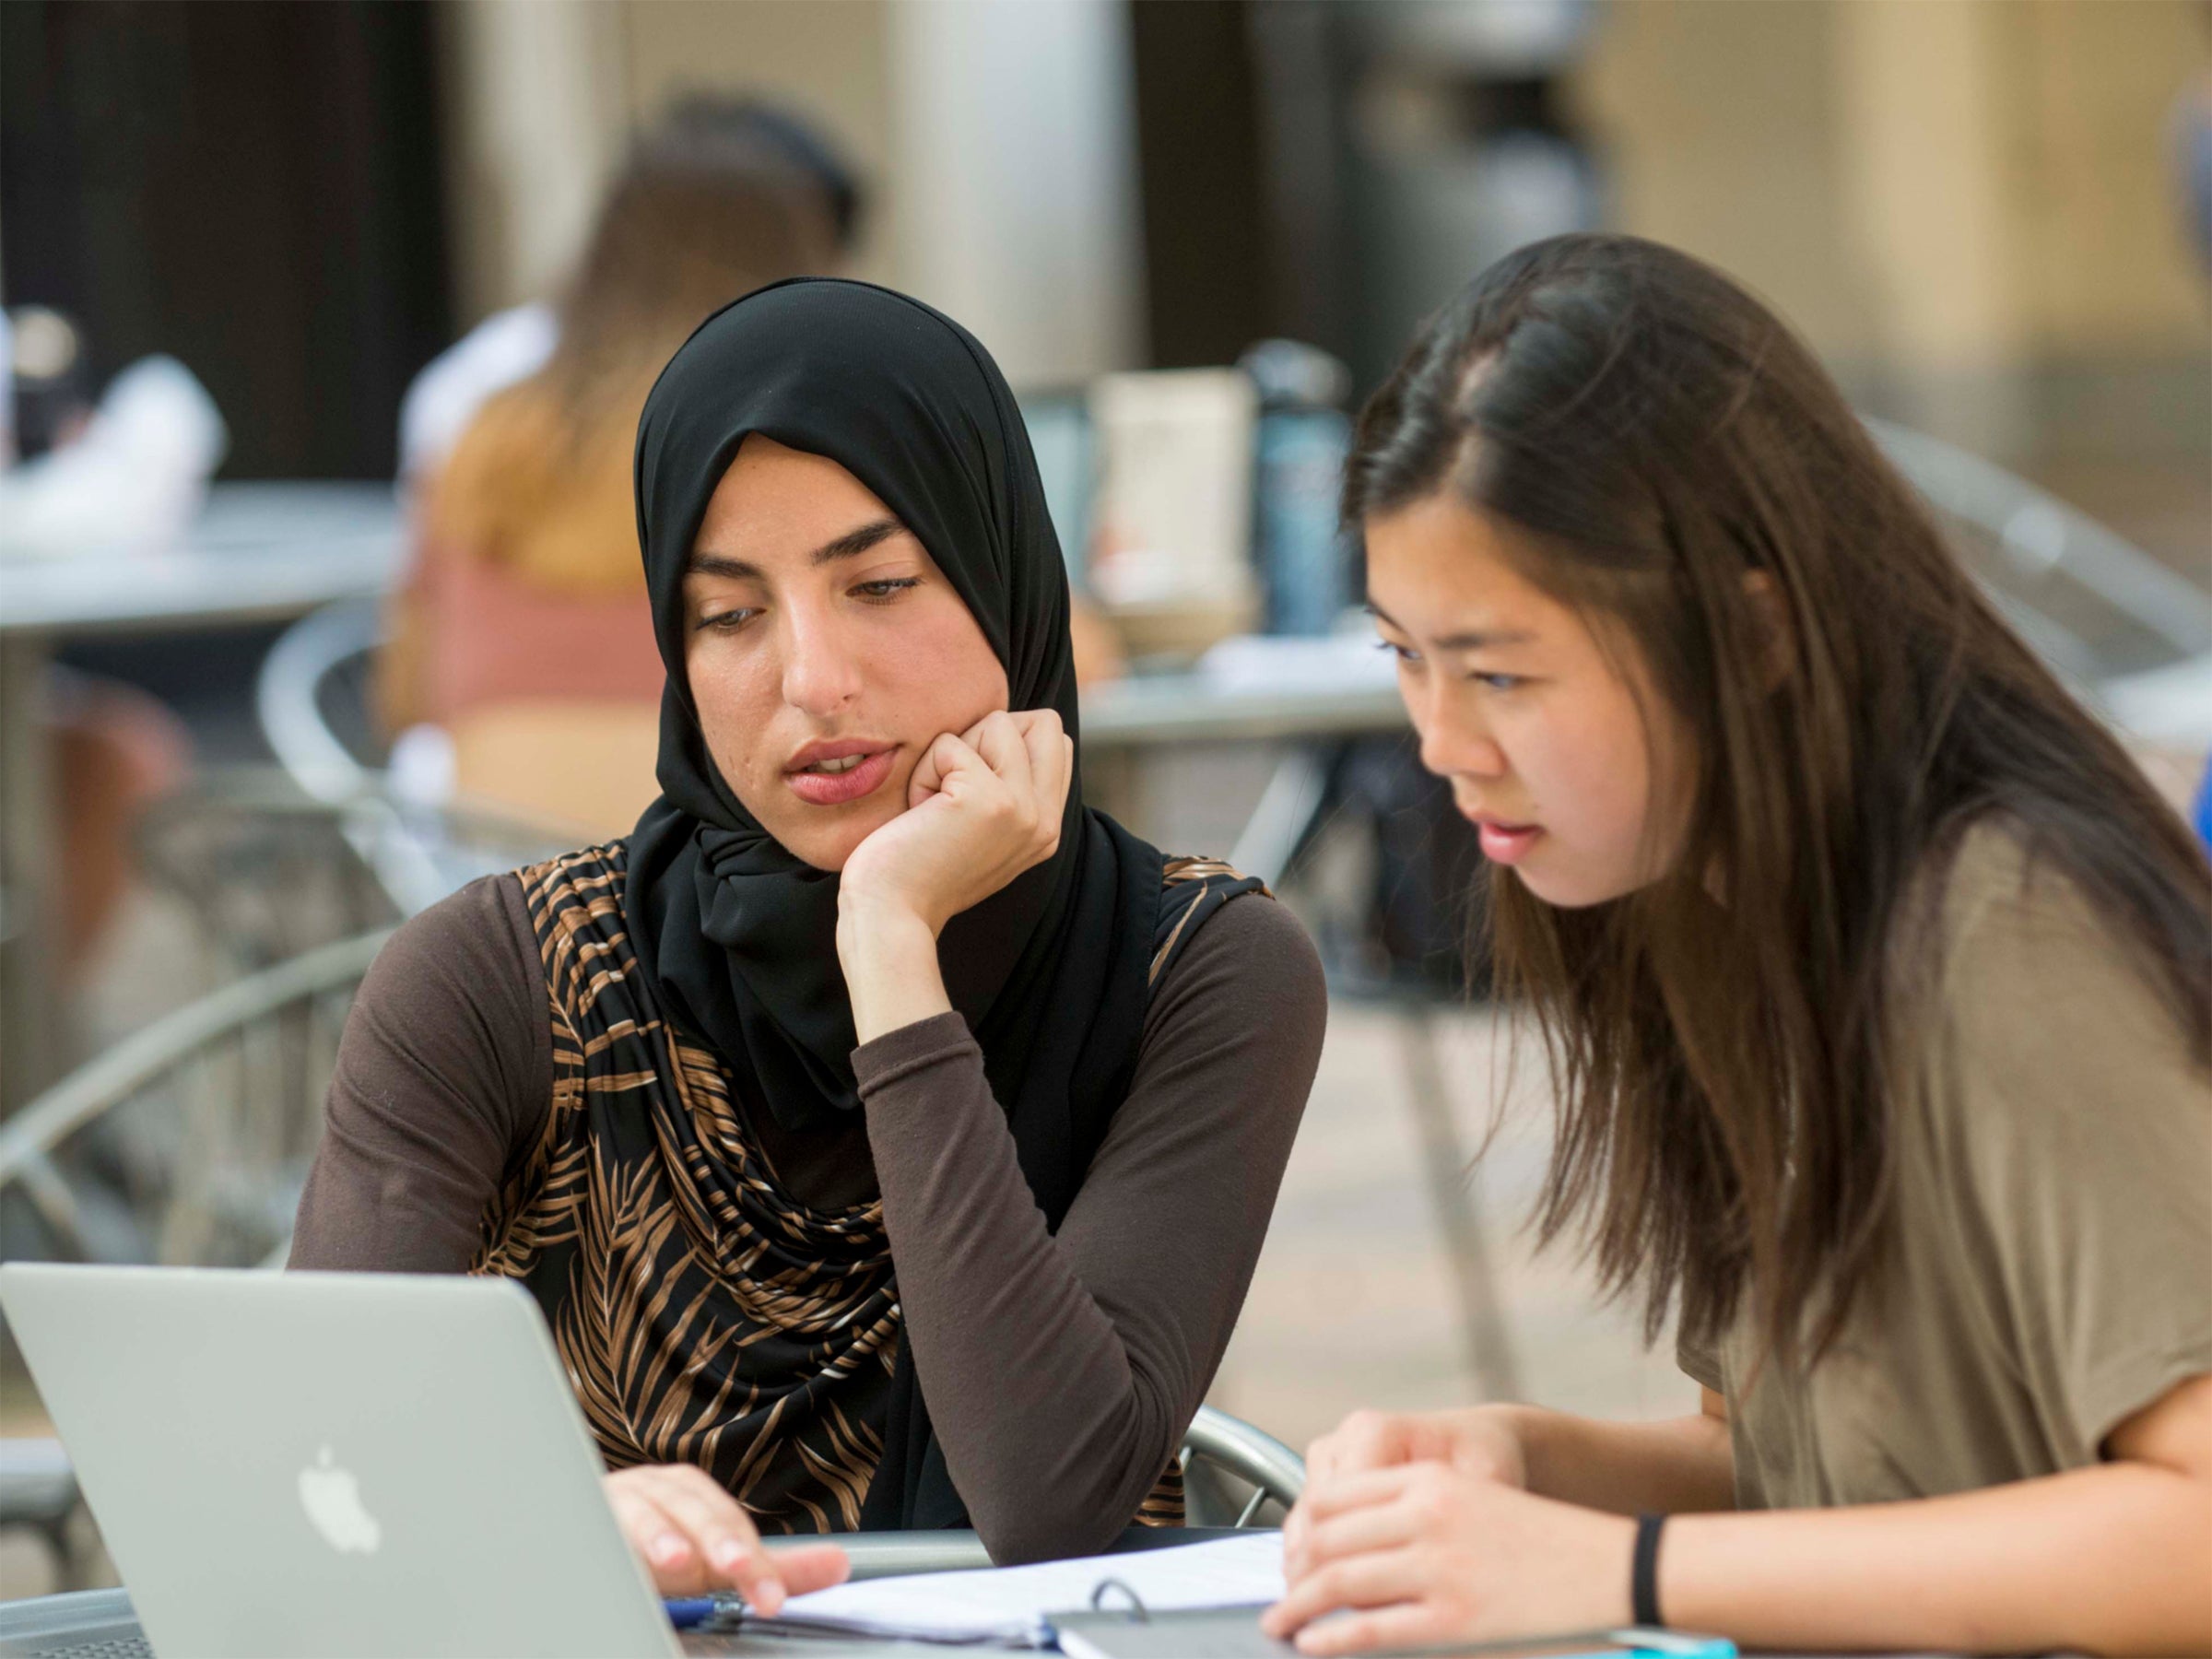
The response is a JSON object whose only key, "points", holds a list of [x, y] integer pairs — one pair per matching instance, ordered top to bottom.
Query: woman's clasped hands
{"points": [[1417, 1530]]}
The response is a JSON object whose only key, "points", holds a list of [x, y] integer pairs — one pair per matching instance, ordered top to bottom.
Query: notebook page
{"points": [[1013, 1605]]}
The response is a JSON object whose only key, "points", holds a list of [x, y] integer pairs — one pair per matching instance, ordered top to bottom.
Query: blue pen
{"points": [[688, 1612]]}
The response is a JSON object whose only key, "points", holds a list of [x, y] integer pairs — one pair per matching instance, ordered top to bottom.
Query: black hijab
{"points": [[736, 937]]}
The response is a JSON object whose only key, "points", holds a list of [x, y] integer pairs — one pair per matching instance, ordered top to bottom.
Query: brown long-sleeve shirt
{"points": [[1063, 1368]]}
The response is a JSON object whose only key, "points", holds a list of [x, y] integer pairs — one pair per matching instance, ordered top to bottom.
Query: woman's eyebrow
{"points": [[856, 541], [851, 544], [722, 564], [1472, 638], [1479, 639]]}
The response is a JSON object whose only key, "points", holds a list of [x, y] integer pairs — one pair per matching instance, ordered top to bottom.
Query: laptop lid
{"points": [[312, 1465]]}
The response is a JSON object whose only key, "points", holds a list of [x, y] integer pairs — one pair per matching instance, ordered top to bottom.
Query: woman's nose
{"points": [[820, 673], [1452, 741], [1451, 755]]}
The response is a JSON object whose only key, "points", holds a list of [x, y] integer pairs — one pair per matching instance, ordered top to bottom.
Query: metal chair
{"points": [[2091, 603], [311, 699], [312, 704], [263, 872], [268, 872], [187, 1141], [1235, 1474]]}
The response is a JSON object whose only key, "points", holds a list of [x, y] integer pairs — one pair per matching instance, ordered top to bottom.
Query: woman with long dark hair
{"points": [[1875, 984], [888, 1136]]}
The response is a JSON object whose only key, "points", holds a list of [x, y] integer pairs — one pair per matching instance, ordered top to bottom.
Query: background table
{"points": [[257, 553], [1187, 707], [1124, 721]]}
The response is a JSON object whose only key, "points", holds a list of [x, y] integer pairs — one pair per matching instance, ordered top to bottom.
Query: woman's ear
{"points": [[1777, 638]]}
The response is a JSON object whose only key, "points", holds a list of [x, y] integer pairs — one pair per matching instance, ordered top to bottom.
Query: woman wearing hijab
{"points": [[888, 1136]]}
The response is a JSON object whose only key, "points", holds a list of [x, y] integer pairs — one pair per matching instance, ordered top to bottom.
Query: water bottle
{"points": [[1299, 450]]}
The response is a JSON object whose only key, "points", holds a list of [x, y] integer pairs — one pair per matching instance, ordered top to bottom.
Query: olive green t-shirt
{"points": [[2051, 1266]]}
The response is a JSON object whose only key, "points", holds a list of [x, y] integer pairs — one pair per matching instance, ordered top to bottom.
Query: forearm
{"points": [[892, 975], [1063, 1368], [1051, 1435], [1674, 1466], [2115, 1558]]}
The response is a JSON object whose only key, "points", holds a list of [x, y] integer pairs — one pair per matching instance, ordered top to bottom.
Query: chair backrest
{"points": [[301, 672], [297, 677], [418, 851], [187, 1143], [1235, 1474]]}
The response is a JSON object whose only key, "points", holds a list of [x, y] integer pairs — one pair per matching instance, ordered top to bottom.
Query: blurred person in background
{"points": [[702, 132], [521, 634], [1872, 974], [888, 1136]]}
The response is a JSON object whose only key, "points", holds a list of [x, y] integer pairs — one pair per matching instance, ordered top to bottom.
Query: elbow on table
{"points": [[1077, 1508], [1049, 1528]]}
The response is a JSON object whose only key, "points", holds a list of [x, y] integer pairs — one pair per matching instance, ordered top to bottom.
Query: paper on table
{"points": [[1012, 1605]]}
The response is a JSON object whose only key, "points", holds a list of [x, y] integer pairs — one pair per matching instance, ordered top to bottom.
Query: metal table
{"points": [[257, 553]]}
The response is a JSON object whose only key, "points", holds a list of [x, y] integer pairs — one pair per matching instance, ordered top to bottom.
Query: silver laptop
{"points": [[306, 1465]]}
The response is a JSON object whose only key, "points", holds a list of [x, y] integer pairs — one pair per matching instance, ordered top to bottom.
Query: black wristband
{"points": [[1643, 1574]]}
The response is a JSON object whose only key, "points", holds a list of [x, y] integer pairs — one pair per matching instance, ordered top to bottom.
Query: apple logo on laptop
{"points": [[331, 1499]]}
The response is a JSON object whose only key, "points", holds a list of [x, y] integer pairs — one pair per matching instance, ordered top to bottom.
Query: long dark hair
{"points": [[1726, 1064]]}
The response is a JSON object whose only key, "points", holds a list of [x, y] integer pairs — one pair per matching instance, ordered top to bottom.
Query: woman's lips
{"points": [[835, 789], [1508, 843]]}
